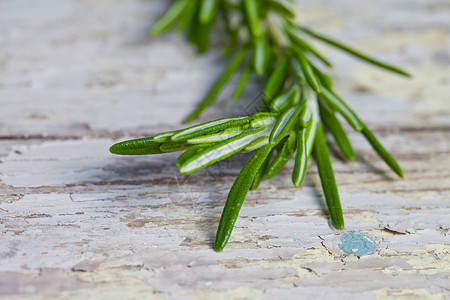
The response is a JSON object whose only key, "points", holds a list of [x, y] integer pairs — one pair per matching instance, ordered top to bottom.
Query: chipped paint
{"points": [[79, 223], [358, 244], [409, 294]]}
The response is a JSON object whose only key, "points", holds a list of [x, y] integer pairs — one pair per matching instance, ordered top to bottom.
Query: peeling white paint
{"points": [[79, 223]]}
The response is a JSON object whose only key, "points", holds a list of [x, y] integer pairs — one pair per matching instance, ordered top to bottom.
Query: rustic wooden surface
{"points": [[79, 223]]}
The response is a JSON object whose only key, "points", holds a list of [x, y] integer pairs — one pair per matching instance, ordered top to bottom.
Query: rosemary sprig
{"points": [[299, 99]]}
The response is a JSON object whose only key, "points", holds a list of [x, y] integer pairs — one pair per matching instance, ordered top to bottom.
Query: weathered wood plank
{"points": [[77, 222]]}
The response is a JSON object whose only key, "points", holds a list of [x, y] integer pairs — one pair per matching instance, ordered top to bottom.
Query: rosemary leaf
{"points": [[281, 7], [224, 10], [207, 11], [252, 13], [187, 16], [170, 17], [193, 31], [203, 32], [295, 37], [232, 42], [354, 52], [261, 55], [298, 72], [311, 77], [223, 79], [276, 80], [325, 80], [243, 81], [284, 100], [339, 105], [265, 114], [306, 116], [262, 120], [285, 122], [334, 126], [208, 127], [164, 137], [214, 138], [305, 142], [292, 143], [256, 144], [174, 146], [136, 147], [219, 151], [190, 152], [280, 159], [390, 161], [275, 166], [262, 171], [326, 174], [237, 195]]}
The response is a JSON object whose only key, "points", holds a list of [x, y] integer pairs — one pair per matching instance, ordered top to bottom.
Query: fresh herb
{"points": [[299, 102]]}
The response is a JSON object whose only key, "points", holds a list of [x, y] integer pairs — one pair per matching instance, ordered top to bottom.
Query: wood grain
{"points": [[79, 223]]}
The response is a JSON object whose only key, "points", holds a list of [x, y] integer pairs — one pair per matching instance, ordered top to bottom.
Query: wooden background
{"points": [[79, 223]]}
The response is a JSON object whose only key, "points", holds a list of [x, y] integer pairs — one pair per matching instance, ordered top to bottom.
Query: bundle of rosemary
{"points": [[299, 102]]}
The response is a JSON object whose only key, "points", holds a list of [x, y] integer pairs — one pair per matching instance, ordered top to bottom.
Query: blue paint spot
{"points": [[358, 244]]}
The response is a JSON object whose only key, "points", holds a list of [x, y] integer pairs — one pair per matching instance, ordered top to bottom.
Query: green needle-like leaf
{"points": [[282, 7], [207, 11], [225, 12], [252, 14], [170, 17], [186, 17], [193, 31], [203, 32], [295, 37], [232, 42], [354, 52], [262, 55], [297, 70], [311, 77], [244, 78], [223, 79], [276, 80], [325, 80], [286, 99], [340, 106], [265, 115], [306, 116], [263, 120], [285, 122], [334, 126], [208, 127], [165, 136], [215, 137], [291, 142], [305, 143], [256, 144], [174, 146], [136, 147], [220, 150], [190, 152], [382, 152], [283, 155], [302, 157], [275, 166], [262, 171], [326, 174], [237, 195]]}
